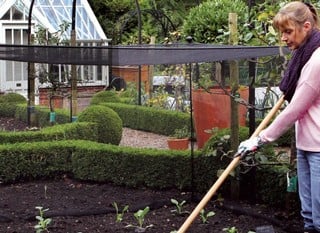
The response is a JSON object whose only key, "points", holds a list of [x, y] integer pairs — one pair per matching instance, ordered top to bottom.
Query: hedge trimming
{"points": [[104, 96], [12, 98], [9, 102], [42, 114], [133, 116], [150, 119], [77, 130], [27, 161], [93, 161], [133, 167]]}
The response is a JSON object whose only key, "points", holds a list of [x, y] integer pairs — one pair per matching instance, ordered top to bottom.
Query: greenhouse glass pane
{"points": [[58, 11]]}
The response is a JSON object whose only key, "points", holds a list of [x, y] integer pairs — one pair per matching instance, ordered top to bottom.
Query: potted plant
{"points": [[180, 139]]}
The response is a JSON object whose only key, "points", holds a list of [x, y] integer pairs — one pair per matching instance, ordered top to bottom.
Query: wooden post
{"points": [[151, 69], [234, 83]]}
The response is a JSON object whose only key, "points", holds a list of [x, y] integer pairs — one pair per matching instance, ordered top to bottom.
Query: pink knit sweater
{"points": [[303, 110]]}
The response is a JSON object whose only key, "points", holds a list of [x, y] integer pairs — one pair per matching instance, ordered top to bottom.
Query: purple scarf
{"points": [[299, 59]]}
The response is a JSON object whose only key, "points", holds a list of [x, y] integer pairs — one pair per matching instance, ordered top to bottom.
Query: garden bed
{"points": [[76, 206]]}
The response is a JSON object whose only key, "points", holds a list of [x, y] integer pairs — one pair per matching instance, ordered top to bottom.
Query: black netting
{"points": [[132, 55]]}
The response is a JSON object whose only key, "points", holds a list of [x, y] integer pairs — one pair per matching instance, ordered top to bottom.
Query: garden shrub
{"points": [[104, 97], [12, 98], [9, 102], [7, 109], [42, 115], [159, 121], [109, 123], [76, 130], [218, 138], [25, 161], [92, 161], [133, 167], [253, 180], [271, 185]]}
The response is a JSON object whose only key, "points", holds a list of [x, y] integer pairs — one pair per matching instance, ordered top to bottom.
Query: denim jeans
{"points": [[309, 188]]}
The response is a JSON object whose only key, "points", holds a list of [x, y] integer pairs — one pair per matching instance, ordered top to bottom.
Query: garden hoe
{"points": [[228, 170]]}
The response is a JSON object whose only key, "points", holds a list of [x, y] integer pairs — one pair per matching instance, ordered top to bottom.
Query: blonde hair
{"points": [[298, 13]]}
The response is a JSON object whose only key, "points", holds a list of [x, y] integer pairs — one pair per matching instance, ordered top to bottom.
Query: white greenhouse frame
{"points": [[48, 14]]}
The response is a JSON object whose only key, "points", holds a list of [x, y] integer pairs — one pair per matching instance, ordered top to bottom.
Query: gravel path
{"points": [[142, 139]]}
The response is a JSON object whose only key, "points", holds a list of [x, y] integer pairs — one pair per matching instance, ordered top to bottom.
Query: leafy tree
{"points": [[109, 12], [119, 18], [206, 22]]}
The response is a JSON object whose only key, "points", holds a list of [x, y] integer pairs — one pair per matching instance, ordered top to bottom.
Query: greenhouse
{"points": [[50, 15]]}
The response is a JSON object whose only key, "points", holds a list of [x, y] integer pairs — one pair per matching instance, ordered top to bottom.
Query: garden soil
{"points": [[75, 206]]}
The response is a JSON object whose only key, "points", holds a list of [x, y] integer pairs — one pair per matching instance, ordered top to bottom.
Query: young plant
{"points": [[181, 133], [45, 192], [179, 206], [119, 215], [205, 215], [140, 217], [43, 222], [230, 229]]}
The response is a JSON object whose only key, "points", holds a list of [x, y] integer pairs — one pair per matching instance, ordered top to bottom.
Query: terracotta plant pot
{"points": [[212, 110], [178, 143]]}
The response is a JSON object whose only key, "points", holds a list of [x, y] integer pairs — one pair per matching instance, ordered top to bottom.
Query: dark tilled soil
{"points": [[76, 206]]}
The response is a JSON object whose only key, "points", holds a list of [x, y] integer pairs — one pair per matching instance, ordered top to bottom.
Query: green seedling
{"points": [[45, 192], [179, 206], [119, 215], [205, 215], [140, 217], [43, 222], [230, 229], [234, 230]]}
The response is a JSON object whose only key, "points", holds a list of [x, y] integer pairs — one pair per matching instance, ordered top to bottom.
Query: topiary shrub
{"points": [[104, 96], [12, 98], [9, 103], [110, 124]]}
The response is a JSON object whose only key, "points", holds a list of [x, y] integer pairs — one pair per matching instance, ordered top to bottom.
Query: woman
{"points": [[298, 24]]}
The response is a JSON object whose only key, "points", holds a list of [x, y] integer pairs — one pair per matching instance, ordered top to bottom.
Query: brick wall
{"points": [[62, 100]]}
